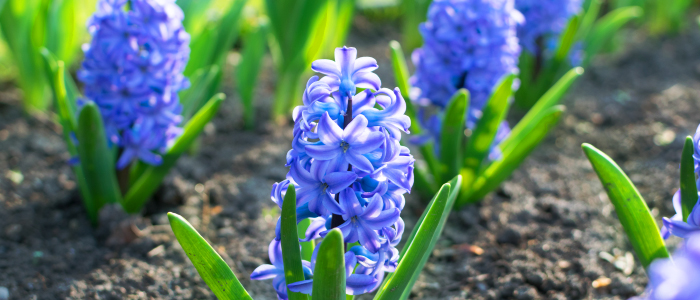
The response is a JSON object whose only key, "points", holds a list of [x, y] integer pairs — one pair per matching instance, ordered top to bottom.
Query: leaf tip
{"points": [[579, 71]]}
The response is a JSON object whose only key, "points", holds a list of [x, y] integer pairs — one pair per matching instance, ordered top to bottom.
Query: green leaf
{"points": [[589, 18], [23, 28], [604, 30], [567, 40], [214, 41], [248, 69], [56, 74], [401, 74], [203, 87], [548, 100], [452, 134], [481, 140], [96, 160], [490, 177], [150, 179], [689, 190], [630, 207], [420, 244], [307, 248], [291, 254], [209, 264], [329, 272]]}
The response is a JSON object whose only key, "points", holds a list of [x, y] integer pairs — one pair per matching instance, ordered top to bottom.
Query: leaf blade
{"points": [[452, 134], [96, 160], [152, 176], [490, 177], [689, 189], [631, 208], [420, 245], [291, 254], [207, 261], [329, 272]]}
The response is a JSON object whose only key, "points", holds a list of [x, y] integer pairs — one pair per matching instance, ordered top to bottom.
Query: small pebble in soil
{"points": [[601, 282], [4, 293]]}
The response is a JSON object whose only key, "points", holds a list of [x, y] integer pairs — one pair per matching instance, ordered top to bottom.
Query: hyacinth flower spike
{"points": [[132, 74], [348, 174]]}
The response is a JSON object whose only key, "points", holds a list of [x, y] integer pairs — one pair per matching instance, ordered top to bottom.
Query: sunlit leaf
{"points": [[630, 207], [209, 264], [329, 271]]}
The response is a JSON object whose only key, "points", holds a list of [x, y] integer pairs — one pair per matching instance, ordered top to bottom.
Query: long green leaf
{"points": [[589, 18], [604, 30], [567, 40], [248, 69], [56, 74], [401, 75], [203, 87], [549, 99], [452, 134], [481, 140], [96, 160], [492, 176], [150, 179], [455, 182], [689, 190], [631, 209], [420, 245], [291, 254], [209, 264], [329, 272]]}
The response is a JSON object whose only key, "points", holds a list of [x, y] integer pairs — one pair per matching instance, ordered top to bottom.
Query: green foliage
{"points": [[414, 13], [662, 16], [29, 25], [302, 31], [212, 37], [247, 71], [537, 75], [451, 134], [468, 157], [96, 160], [95, 173], [491, 176], [149, 179], [689, 189], [630, 207], [420, 244], [291, 254], [209, 264], [329, 272]]}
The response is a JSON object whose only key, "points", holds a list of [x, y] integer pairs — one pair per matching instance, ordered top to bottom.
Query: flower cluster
{"points": [[545, 20], [469, 44], [133, 72], [349, 171], [675, 225], [676, 279]]}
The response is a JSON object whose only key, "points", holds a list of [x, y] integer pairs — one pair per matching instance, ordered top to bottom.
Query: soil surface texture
{"points": [[543, 235]]}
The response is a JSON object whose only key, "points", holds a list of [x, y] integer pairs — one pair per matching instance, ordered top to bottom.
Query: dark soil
{"points": [[539, 237]]}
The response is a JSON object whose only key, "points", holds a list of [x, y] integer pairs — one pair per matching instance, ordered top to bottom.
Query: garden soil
{"points": [[549, 232]]}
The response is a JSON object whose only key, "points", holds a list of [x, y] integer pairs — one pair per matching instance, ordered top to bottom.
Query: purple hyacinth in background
{"points": [[545, 20], [468, 44], [133, 71], [349, 170], [677, 279]]}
